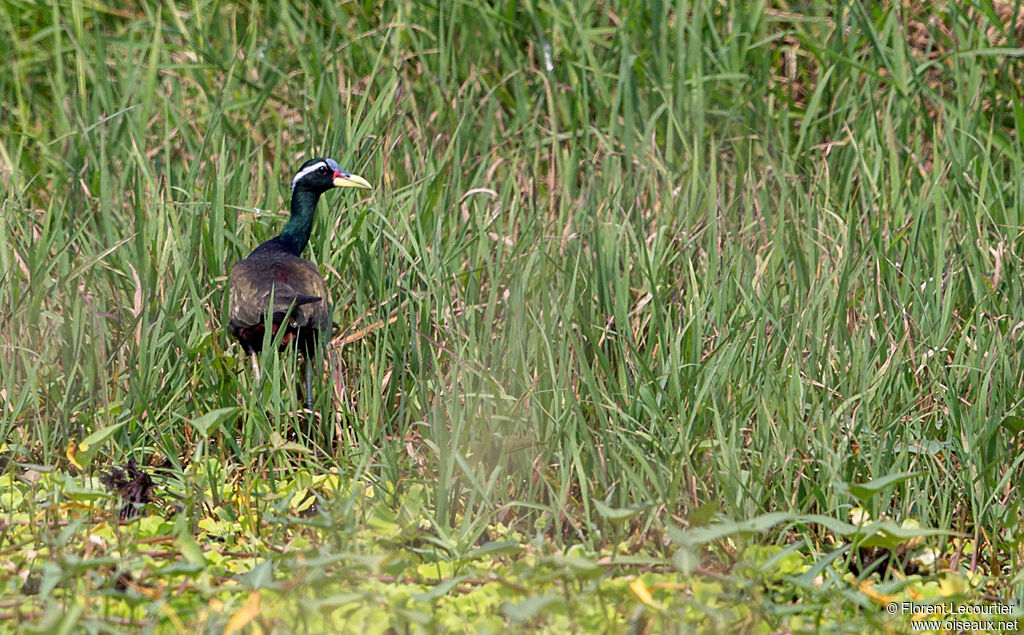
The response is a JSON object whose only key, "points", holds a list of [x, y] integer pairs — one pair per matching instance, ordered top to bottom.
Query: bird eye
{"points": [[322, 169]]}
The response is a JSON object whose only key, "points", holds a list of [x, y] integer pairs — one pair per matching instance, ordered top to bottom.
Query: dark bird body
{"points": [[273, 274], [274, 285]]}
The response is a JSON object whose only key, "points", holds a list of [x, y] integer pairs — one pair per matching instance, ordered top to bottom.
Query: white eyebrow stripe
{"points": [[308, 170]]}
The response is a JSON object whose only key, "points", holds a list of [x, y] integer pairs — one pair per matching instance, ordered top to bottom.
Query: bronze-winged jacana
{"points": [[274, 285]]}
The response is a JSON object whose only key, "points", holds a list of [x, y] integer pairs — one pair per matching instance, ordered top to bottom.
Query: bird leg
{"points": [[255, 367], [309, 384]]}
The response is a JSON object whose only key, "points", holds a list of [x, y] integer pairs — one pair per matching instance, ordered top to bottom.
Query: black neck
{"points": [[296, 233]]}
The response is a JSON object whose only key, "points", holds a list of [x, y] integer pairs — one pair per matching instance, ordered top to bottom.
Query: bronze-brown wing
{"points": [[290, 281], [303, 281]]}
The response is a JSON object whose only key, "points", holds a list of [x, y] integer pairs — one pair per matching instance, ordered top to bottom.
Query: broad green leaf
{"points": [[207, 422], [84, 451], [864, 491], [620, 514], [704, 514], [187, 544], [507, 547], [685, 560], [259, 577], [438, 590], [529, 608]]}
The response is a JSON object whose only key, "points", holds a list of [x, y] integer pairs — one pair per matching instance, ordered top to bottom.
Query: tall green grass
{"points": [[653, 253]]}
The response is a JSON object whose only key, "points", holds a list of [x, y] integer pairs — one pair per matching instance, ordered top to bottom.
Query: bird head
{"points": [[320, 175]]}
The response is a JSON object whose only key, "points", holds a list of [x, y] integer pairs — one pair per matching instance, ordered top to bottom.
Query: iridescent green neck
{"points": [[295, 234]]}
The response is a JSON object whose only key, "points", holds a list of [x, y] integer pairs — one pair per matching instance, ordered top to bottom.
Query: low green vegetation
{"points": [[661, 316]]}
